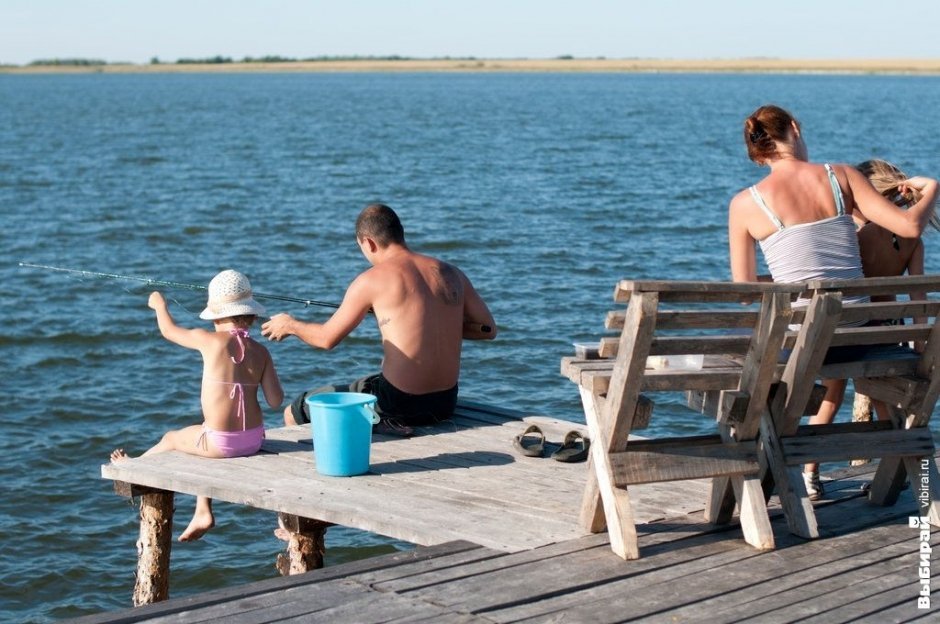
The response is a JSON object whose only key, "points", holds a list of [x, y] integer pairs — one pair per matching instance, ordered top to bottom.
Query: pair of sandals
{"points": [[531, 443]]}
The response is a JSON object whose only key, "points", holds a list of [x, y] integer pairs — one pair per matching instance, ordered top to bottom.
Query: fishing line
{"points": [[167, 284]]}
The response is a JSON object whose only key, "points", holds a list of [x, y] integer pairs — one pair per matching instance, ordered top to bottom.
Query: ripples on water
{"points": [[545, 189]]}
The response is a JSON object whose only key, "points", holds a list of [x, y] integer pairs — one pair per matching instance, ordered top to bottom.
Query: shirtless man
{"points": [[424, 309]]}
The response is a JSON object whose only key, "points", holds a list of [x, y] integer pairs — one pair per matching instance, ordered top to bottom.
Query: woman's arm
{"points": [[740, 243]]}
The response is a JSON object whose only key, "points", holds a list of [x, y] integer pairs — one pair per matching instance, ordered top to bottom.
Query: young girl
{"points": [[234, 366]]}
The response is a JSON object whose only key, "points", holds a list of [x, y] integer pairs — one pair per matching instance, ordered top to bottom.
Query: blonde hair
{"points": [[886, 178]]}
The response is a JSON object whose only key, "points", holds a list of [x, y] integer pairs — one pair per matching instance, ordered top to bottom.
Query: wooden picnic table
{"points": [[760, 366]]}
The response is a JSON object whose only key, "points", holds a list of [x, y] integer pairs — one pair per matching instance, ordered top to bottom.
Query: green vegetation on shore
{"points": [[272, 58], [65, 62], [562, 64]]}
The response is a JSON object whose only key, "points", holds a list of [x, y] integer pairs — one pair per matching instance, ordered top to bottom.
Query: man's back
{"points": [[419, 307], [424, 309]]}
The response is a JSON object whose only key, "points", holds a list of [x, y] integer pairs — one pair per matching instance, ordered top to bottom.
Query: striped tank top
{"points": [[824, 249]]}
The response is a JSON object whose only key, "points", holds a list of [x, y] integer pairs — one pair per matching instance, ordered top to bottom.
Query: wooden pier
{"points": [[461, 480], [509, 538], [863, 568]]}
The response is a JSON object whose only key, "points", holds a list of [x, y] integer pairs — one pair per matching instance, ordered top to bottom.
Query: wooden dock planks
{"points": [[461, 480], [864, 567]]}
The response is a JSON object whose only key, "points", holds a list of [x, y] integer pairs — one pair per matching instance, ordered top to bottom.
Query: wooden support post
{"points": [[756, 382], [789, 404], [610, 421], [894, 470], [793, 498], [603, 504], [719, 508], [305, 545], [153, 548]]}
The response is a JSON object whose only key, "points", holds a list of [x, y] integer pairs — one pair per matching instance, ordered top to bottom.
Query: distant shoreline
{"points": [[746, 65]]}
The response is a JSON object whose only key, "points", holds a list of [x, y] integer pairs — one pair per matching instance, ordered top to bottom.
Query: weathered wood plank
{"points": [[899, 285], [701, 291], [691, 319], [881, 334], [681, 345], [869, 368], [901, 391], [709, 403], [844, 446], [680, 459], [368, 502], [444, 555], [581, 580], [744, 581]]}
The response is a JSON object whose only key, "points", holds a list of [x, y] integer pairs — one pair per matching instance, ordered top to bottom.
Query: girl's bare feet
{"points": [[118, 455], [198, 526]]}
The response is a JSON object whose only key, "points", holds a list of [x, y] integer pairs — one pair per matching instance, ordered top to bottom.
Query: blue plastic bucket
{"points": [[342, 431]]}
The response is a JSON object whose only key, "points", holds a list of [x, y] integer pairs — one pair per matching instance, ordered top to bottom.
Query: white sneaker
{"points": [[814, 487]]}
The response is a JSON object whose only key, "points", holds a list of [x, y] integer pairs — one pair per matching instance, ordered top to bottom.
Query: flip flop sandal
{"points": [[530, 442], [573, 449]]}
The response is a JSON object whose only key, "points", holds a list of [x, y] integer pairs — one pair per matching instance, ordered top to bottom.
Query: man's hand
{"points": [[278, 327]]}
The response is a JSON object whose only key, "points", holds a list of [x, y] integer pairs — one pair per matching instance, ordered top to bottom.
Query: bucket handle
{"points": [[375, 415]]}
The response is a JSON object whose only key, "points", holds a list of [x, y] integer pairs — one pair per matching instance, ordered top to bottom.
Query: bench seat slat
{"points": [[680, 345]]}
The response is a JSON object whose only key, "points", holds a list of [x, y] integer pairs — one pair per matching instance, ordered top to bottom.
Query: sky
{"points": [[138, 30]]}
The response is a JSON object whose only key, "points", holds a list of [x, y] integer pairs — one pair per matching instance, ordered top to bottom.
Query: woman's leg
{"points": [[835, 392]]}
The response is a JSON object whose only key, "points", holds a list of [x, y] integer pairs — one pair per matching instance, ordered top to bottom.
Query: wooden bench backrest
{"points": [[696, 317], [885, 322]]}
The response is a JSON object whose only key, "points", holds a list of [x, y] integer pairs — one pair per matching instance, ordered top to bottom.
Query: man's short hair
{"points": [[381, 224]]}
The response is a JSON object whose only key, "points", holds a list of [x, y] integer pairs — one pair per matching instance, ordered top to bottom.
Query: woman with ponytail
{"points": [[801, 214]]}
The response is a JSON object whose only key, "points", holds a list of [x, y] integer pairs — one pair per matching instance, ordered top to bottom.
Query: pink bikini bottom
{"points": [[234, 443]]}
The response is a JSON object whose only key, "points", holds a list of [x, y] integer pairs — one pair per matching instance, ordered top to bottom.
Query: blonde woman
{"points": [[801, 214], [883, 252]]}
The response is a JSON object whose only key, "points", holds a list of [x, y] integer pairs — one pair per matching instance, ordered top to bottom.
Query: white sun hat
{"points": [[230, 295]]}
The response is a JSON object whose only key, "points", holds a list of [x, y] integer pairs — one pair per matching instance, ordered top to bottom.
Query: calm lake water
{"points": [[544, 188]]}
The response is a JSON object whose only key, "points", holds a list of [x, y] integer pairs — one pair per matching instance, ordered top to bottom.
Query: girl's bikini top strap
{"points": [[240, 335]]}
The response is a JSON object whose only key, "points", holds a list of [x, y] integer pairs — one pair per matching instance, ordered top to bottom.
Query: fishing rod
{"points": [[166, 284]]}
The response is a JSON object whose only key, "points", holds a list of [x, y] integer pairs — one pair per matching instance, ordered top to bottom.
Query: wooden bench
{"points": [[666, 318], [907, 382], [757, 401]]}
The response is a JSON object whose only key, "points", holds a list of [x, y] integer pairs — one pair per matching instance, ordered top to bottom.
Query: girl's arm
{"points": [[875, 207], [188, 338], [270, 384]]}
